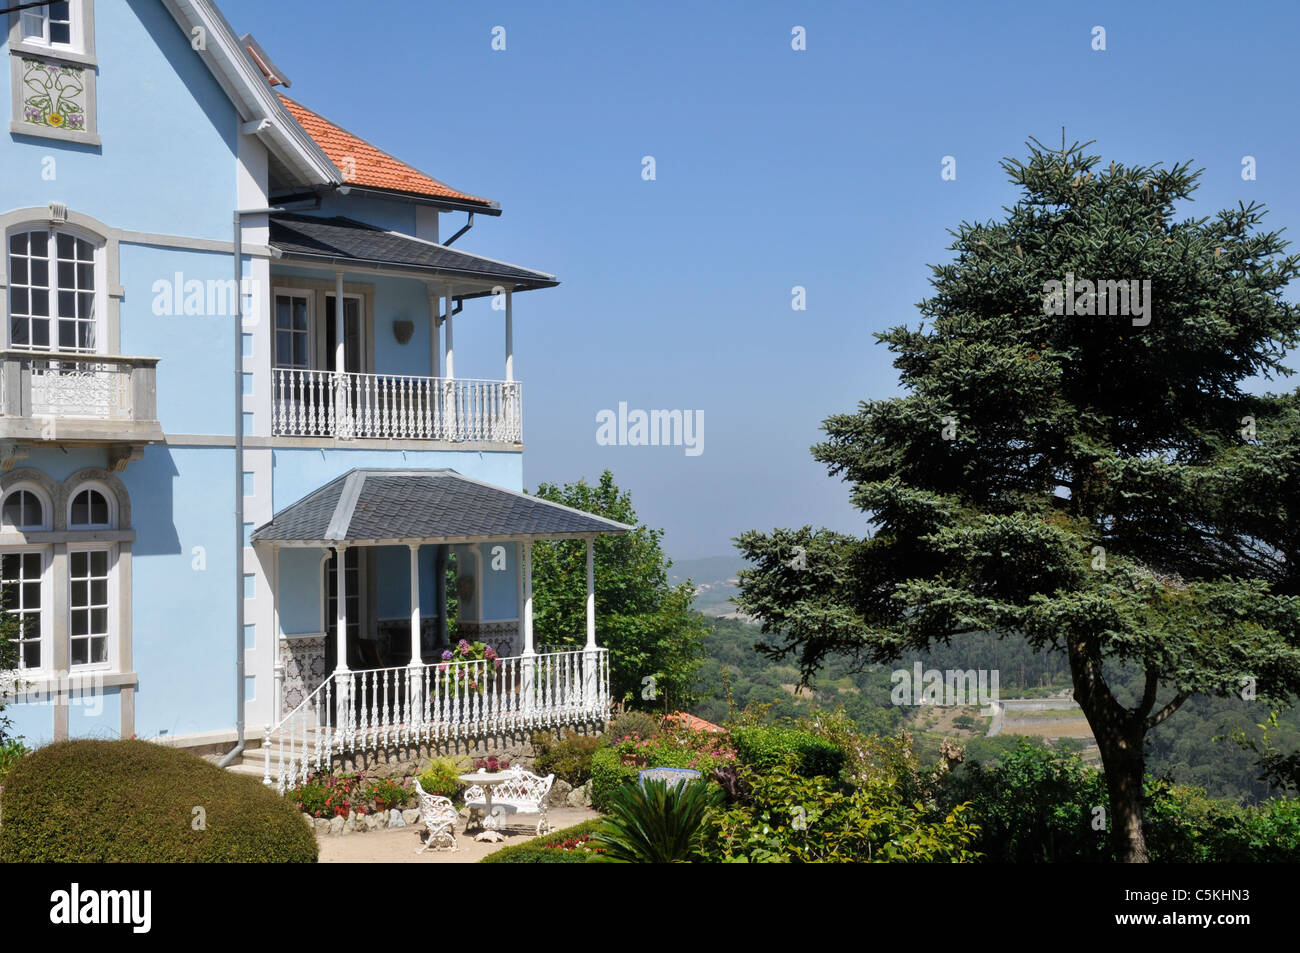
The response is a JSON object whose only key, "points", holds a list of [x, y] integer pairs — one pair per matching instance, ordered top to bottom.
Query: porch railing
{"points": [[72, 384], [313, 403], [366, 710]]}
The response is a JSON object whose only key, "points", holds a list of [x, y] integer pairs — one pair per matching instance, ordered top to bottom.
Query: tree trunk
{"points": [[1125, 767]]}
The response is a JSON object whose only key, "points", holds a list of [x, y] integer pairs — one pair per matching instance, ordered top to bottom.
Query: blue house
{"points": [[239, 474]]}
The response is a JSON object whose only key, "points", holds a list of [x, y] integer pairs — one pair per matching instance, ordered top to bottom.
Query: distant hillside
{"points": [[715, 583]]}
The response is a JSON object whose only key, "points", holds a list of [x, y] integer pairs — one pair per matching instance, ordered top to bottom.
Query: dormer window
{"points": [[53, 70]]}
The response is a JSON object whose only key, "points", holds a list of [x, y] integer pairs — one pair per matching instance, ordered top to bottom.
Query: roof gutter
{"points": [[413, 198]]}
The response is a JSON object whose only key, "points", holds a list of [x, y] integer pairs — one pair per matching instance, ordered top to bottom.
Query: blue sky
{"points": [[775, 168]]}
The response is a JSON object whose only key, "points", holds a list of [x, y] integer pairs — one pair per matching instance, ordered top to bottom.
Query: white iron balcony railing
{"points": [[78, 396], [310, 403], [367, 710]]}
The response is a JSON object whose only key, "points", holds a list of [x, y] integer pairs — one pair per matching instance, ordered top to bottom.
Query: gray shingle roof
{"points": [[343, 239], [374, 505]]}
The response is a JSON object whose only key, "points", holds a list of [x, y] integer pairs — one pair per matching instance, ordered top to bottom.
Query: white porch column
{"points": [[435, 333], [510, 339], [340, 349], [451, 371], [415, 605], [527, 620], [590, 658], [528, 663], [342, 676], [277, 690]]}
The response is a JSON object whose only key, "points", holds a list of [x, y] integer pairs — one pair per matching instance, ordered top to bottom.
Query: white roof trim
{"points": [[250, 93]]}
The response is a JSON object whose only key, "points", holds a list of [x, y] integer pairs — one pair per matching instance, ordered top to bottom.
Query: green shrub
{"points": [[633, 723], [767, 746], [11, 752], [568, 758], [608, 774], [442, 777], [328, 795], [137, 801], [1033, 806], [786, 817], [658, 823], [1182, 825], [544, 849]]}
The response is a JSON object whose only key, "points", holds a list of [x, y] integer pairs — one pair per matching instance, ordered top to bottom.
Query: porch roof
{"points": [[345, 241], [372, 507]]}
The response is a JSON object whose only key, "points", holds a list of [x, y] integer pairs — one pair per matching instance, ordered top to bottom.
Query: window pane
{"points": [[34, 24], [18, 243], [40, 244], [65, 244], [18, 270], [41, 271], [67, 274], [40, 300], [19, 301], [67, 304], [40, 332], [18, 333], [67, 335], [81, 509], [98, 510], [32, 561], [99, 562], [79, 563], [80, 589], [99, 592], [31, 595], [99, 621], [80, 622], [79, 647], [99, 649], [32, 654]]}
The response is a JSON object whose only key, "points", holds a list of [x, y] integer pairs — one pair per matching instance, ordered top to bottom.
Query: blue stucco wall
{"points": [[168, 134], [298, 472], [184, 608]]}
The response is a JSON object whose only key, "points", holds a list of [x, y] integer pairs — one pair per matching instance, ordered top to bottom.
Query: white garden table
{"points": [[487, 780]]}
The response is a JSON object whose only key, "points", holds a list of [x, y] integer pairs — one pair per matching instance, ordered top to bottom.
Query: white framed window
{"points": [[51, 25], [55, 285], [293, 329], [91, 507], [25, 509], [24, 592], [90, 605]]}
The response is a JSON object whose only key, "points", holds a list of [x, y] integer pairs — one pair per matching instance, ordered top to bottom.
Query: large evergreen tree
{"points": [[1100, 484]]}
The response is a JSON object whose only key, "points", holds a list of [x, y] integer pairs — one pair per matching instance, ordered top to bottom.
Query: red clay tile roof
{"points": [[364, 165], [695, 724]]}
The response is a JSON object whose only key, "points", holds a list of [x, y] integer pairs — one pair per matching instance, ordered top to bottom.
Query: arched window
{"points": [[53, 291], [90, 509], [24, 510]]}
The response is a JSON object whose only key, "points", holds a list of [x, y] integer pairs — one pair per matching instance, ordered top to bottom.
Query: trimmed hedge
{"points": [[766, 746], [608, 774], [134, 801], [539, 849]]}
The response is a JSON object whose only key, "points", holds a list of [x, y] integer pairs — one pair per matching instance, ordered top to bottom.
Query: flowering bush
{"points": [[458, 679], [677, 746], [491, 763], [441, 778], [388, 794], [326, 795]]}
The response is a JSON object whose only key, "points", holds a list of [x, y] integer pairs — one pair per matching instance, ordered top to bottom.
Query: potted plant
{"points": [[388, 793]]}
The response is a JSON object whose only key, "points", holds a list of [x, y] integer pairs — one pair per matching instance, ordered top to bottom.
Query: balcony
{"points": [[77, 398], [327, 404]]}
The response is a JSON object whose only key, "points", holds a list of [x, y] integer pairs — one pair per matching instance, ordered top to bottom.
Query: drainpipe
{"points": [[238, 750]]}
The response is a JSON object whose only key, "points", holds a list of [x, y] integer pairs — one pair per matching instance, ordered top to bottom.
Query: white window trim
{"points": [[81, 49], [100, 246], [310, 298], [110, 498], [47, 510], [112, 611], [46, 667]]}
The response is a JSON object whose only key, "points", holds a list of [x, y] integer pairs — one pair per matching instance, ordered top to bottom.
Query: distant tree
{"points": [[1096, 481], [655, 641]]}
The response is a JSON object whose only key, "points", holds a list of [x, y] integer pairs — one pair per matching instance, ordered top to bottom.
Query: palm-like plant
{"points": [[654, 823]]}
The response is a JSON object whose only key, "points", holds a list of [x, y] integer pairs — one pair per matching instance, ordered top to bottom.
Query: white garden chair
{"points": [[439, 816]]}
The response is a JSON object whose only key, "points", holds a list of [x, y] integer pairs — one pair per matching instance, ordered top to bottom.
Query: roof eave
{"points": [[252, 96], [417, 271]]}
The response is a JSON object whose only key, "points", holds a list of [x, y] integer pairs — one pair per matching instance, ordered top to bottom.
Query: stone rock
{"points": [[558, 796], [580, 797], [411, 815], [395, 818], [311, 821], [374, 822], [321, 824], [336, 824], [351, 824]]}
